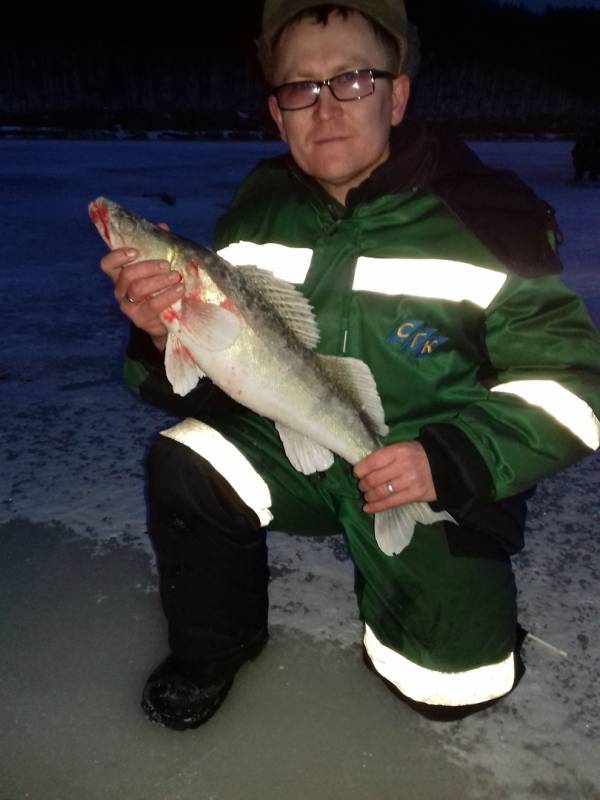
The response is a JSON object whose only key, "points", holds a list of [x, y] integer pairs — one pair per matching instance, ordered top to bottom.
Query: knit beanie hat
{"points": [[390, 14]]}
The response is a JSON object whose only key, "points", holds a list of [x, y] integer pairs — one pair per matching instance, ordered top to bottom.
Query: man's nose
{"points": [[327, 104]]}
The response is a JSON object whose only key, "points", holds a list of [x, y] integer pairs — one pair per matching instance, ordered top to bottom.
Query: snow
{"points": [[81, 625]]}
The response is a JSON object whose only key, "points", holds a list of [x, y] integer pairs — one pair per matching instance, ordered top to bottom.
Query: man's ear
{"points": [[400, 95], [277, 116]]}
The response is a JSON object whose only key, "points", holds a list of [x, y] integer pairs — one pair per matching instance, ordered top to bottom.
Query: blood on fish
{"points": [[99, 215], [197, 295], [194, 297], [228, 305], [169, 315], [181, 351]]}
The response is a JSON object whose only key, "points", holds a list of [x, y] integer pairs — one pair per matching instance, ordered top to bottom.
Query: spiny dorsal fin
{"points": [[294, 308], [357, 380]]}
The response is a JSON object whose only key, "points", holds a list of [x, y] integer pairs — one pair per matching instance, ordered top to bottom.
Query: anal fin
{"points": [[304, 455]]}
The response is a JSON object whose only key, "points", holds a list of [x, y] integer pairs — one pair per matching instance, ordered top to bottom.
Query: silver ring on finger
{"points": [[131, 300], [390, 488]]}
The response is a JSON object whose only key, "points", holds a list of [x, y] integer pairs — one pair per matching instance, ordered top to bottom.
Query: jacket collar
{"points": [[414, 163], [496, 205]]}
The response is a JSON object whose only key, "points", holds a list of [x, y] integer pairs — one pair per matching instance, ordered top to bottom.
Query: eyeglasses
{"points": [[348, 86]]}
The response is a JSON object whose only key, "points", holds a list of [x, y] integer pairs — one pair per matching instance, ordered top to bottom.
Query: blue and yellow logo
{"points": [[416, 339]]}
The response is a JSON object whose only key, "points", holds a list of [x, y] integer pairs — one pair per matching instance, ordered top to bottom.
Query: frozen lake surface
{"points": [[81, 625]]}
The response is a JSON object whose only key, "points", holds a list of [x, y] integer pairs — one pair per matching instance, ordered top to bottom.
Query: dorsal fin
{"points": [[292, 305], [358, 382]]}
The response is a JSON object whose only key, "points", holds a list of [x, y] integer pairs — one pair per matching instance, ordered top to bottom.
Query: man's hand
{"points": [[143, 290], [402, 467]]}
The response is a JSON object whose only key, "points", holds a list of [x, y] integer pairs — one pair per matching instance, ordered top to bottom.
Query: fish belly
{"points": [[285, 386]]}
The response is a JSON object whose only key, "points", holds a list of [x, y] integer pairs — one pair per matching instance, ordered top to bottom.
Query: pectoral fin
{"points": [[207, 326], [182, 371], [305, 455], [394, 528]]}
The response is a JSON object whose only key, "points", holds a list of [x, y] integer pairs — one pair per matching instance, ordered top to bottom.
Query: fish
{"points": [[255, 336]]}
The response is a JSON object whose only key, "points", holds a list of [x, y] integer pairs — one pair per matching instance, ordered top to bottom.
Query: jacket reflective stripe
{"points": [[288, 263], [428, 277], [568, 409], [228, 461], [440, 688]]}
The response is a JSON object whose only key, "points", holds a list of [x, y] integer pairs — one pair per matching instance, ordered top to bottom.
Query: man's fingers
{"points": [[113, 262], [140, 271], [146, 287], [160, 302], [147, 310], [378, 459], [395, 475], [377, 477], [400, 491], [381, 492], [389, 502]]}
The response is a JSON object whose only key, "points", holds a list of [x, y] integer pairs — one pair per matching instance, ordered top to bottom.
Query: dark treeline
{"points": [[482, 63], [484, 66]]}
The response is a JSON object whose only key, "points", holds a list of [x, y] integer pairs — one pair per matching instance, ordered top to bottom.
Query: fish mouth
{"points": [[99, 215]]}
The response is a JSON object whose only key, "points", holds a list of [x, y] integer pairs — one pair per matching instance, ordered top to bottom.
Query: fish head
{"points": [[119, 227]]}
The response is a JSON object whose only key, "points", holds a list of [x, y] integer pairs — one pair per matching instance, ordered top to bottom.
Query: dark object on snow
{"points": [[586, 156], [168, 199], [180, 698]]}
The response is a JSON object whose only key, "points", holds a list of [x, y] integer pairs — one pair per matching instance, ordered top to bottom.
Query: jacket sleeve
{"points": [[543, 401]]}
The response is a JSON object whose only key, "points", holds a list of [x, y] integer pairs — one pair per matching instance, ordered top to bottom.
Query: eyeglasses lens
{"points": [[352, 85], [302, 94]]}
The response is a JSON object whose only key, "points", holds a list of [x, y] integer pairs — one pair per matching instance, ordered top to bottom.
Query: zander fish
{"points": [[254, 336]]}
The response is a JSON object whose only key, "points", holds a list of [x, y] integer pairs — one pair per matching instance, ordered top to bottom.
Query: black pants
{"points": [[212, 558], [212, 563]]}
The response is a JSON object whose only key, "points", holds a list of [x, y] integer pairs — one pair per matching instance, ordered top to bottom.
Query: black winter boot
{"points": [[180, 697]]}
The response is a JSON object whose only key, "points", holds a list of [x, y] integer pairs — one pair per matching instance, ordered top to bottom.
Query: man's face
{"points": [[338, 143]]}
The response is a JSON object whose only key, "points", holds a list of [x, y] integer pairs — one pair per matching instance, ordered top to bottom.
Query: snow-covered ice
{"points": [[81, 624]]}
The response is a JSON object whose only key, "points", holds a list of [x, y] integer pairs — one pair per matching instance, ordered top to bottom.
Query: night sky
{"points": [[540, 5], [216, 25], [138, 70]]}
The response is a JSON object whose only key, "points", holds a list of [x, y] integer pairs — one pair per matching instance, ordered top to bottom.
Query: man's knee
{"points": [[185, 486], [443, 696]]}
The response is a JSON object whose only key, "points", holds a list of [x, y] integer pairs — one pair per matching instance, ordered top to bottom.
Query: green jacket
{"points": [[442, 276]]}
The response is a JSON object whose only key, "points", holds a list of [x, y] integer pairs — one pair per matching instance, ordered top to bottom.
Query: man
{"points": [[439, 274]]}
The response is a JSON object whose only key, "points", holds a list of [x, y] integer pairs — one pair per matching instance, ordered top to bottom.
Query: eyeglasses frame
{"points": [[375, 73]]}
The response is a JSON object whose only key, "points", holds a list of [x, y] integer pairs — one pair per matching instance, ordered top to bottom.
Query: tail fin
{"points": [[394, 528]]}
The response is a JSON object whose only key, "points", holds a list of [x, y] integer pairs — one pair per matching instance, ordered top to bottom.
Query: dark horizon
{"points": [[144, 76]]}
